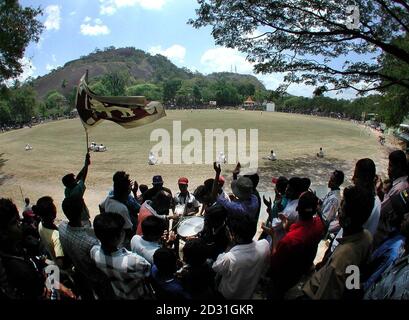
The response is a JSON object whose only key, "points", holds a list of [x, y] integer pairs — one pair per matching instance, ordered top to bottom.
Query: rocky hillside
{"points": [[139, 64]]}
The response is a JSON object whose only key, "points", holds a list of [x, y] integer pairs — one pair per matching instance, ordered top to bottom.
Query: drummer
{"points": [[184, 200]]}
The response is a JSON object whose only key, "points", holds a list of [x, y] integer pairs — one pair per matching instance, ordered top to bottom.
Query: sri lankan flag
{"points": [[129, 112]]}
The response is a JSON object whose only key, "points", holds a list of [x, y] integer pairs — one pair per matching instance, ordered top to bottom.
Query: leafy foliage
{"points": [[18, 27]]}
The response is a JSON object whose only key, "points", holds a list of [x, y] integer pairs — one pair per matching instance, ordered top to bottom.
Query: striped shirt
{"points": [[125, 270]]}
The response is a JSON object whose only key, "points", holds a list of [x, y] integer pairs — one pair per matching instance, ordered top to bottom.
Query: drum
{"points": [[190, 226]]}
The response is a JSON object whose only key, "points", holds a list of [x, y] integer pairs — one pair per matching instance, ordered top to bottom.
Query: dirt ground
{"points": [[59, 148]]}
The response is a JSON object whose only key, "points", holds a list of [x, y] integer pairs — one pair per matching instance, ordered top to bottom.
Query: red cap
{"points": [[221, 180], [274, 180], [183, 181]]}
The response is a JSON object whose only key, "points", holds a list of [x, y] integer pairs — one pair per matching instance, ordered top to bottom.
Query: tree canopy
{"points": [[18, 27], [306, 39]]}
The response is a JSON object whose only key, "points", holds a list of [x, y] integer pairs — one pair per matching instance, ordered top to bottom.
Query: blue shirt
{"points": [[131, 202], [248, 207], [383, 257], [171, 288]]}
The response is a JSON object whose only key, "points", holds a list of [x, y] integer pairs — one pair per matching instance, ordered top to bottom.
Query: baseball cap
{"points": [[183, 180]]}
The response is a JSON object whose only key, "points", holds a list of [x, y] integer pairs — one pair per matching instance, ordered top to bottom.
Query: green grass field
{"points": [[59, 148]]}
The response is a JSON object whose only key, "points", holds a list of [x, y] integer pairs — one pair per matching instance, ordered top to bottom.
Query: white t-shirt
{"points": [[114, 206], [290, 210], [144, 248], [241, 268]]}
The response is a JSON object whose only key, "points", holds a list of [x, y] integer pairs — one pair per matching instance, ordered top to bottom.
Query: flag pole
{"points": [[86, 136]]}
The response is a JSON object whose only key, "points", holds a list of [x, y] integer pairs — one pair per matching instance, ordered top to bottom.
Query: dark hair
{"points": [[398, 160], [365, 173], [339, 177], [68, 180], [306, 183], [121, 184], [208, 184], [281, 185], [296, 185], [143, 188], [162, 199], [27, 200], [307, 205], [357, 205], [73, 207], [45, 208], [8, 211], [215, 216], [108, 227], [242, 227], [153, 228], [195, 252], [165, 260]]}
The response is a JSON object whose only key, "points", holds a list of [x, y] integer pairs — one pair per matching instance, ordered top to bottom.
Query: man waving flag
{"points": [[129, 112]]}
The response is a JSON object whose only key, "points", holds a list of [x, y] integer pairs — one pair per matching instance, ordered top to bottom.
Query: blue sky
{"points": [[76, 27]]}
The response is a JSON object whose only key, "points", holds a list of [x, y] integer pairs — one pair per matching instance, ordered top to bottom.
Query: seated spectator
{"points": [[320, 154], [272, 156], [398, 174], [365, 177], [157, 183], [306, 184], [75, 186], [294, 189], [184, 200], [280, 200], [332, 201], [118, 203], [158, 207], [49, 234], [77, 241], [146, 245], [393, 247], [294, 255], [241, 267], [127, 271], [21, 276], [196, 276], [164, 281], [329, 282], [394, 282]]}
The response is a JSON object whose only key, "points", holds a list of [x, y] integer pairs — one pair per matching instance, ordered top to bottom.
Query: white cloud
{"points": [[109, 7], [73, 13], [53, 17], [96, 29], [176, 52], [54, 57], [225, 60], [50, 67], [28, 71]]}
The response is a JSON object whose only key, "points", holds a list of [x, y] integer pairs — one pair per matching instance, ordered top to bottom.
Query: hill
{"points": [[139, 64]]}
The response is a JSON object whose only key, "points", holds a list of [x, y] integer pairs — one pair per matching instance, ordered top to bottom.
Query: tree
{"points": [[18, 28], [305, 38], [115, 82], [170, 87], [149, 90], [22, 103], [56, 103], [5, 114]]}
